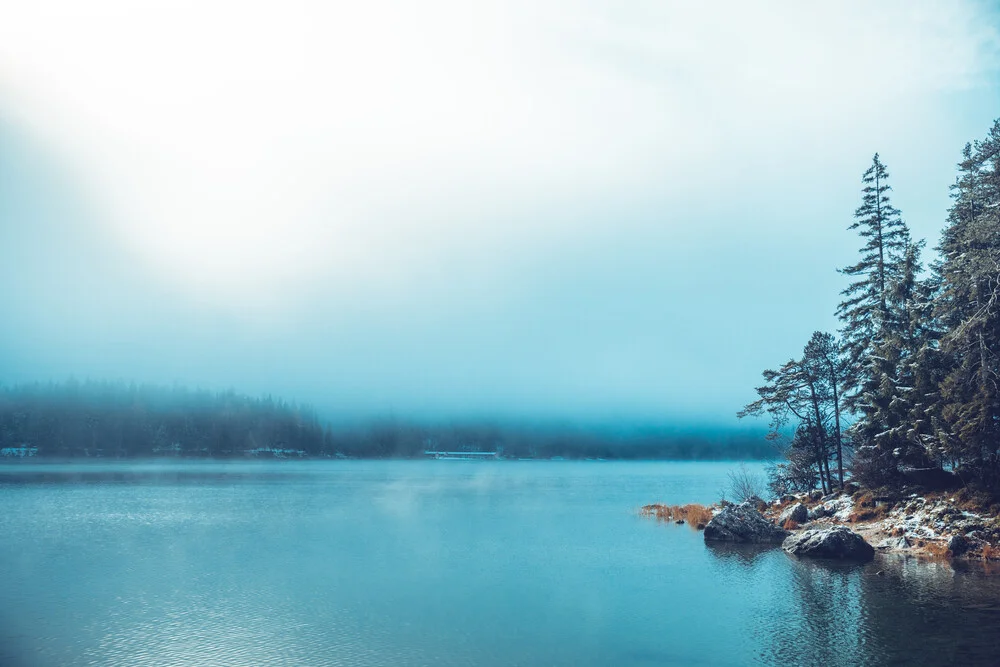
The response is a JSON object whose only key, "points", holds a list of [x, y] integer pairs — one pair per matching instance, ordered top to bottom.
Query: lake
{"points": [[389, 563]]}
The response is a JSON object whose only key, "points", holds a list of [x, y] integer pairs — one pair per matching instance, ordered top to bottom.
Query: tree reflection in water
{"points": [[893, 611]]}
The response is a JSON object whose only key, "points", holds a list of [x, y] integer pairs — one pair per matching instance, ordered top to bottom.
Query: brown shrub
{"points": [[972, 501], [865, 508], [657, 510], [869, 513], [696, 515], [790, 524], [937, 550], [990, 552]]}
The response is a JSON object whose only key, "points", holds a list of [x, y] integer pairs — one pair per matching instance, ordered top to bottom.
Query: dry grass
{"points": [[864, 499], [972, 500], [782, 505], [865, 508], [864, 514], [696, 515], [791, 524], [937, 550], [990, 552]]}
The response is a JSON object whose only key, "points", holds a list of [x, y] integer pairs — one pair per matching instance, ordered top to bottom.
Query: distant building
{"points": [[18, 452], [275, 452], [456, 456]]}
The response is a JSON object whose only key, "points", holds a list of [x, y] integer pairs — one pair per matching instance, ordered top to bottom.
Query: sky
{"points": [[447, 210]]}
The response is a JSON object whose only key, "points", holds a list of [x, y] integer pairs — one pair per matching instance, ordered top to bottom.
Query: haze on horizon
{"points": [[581, 211]]}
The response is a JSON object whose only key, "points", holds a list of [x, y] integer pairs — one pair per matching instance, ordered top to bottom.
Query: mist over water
{"points": [[350, 234], [441, 563]]}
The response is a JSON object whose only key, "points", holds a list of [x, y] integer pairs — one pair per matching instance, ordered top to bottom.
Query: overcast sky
{"points": [[571, 210]]}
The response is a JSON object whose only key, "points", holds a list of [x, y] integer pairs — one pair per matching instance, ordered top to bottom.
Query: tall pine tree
{"points": [[968, 306], [875, 318]]}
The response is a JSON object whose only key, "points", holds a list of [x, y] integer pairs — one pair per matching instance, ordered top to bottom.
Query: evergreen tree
{"points": [[968, 306], [865, 310], [876, 314], [917, 332], [823, 360], [806, 392]]}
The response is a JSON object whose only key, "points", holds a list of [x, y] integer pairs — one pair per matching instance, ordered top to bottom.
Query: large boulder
{"points": [[797, 513], [743, 523], [837, 542], [958, 545]]}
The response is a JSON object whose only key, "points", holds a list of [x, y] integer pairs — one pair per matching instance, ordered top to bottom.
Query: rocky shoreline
{"points": [[853, 524]]}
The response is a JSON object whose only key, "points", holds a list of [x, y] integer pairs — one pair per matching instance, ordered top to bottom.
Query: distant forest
{"points": [[912, 382], [117, 420]]}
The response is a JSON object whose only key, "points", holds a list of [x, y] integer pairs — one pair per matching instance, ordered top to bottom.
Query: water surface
{"points": [[439, 563]]}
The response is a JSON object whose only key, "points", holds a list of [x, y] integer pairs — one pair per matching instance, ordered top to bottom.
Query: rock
{"points": [[815, 495], [840, 509], [817, 512], [797, 513], [679, 522], [743, 523], [969, 526], [837, 542], [893, 543], [958, 545]]}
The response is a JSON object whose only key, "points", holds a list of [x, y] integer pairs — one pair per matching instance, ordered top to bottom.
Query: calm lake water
{"points": [[439, 563]]}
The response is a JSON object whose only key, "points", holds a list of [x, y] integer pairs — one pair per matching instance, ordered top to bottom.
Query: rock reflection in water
{"points": [[893, 611], [932, 613]]}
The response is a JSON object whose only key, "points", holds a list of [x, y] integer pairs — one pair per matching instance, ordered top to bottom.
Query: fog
{"points": [[534, 211]]}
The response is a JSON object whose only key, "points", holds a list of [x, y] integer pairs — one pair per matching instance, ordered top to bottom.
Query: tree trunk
{"points": [[836, 427], [821, 451]]}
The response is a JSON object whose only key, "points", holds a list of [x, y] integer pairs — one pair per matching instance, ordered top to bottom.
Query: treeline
{"points": [[912, 380], [104, 419], [107, 419], [400, 438]]}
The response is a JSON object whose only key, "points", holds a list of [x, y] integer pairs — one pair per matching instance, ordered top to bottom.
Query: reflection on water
{"points": [[441, 563], [895, 611]]}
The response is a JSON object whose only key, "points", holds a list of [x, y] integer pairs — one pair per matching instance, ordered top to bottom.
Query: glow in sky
{"points": [[466, 206]]}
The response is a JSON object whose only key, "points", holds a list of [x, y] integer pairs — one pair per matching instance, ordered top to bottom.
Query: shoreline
{"points": [[934, 526]]}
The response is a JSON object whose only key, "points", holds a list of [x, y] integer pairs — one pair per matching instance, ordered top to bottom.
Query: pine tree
{"points": [[968, 306], [865, 311], [875, 316], [823, 360], [920, 370], [806, 392]]}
